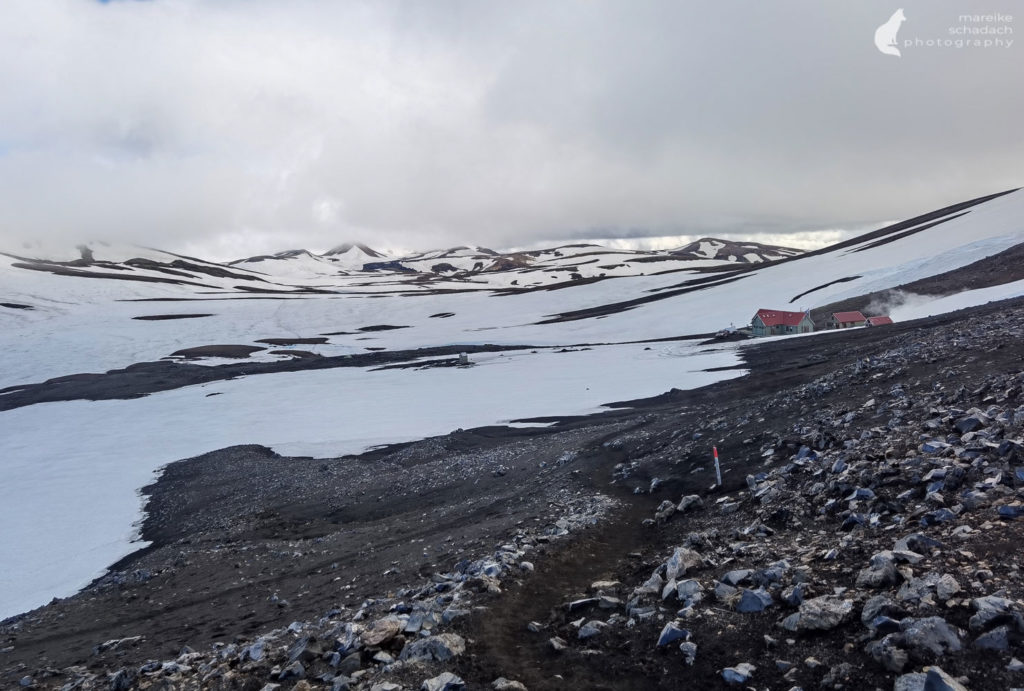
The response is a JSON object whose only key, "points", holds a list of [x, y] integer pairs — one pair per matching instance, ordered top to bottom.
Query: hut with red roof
{"points": [[846, 320], [879, 321], [780, 323]]}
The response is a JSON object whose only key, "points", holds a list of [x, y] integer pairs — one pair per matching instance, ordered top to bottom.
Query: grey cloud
{"points": [[180, 123]]}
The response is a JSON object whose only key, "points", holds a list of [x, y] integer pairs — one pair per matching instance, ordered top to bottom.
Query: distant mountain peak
{"points": [[347, 247], [285, 254]]}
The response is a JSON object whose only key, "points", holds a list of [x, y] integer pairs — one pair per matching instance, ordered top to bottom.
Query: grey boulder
{"points": [[754, 600], [823, 613], [441, 648], [740, 674], [445, 681]]}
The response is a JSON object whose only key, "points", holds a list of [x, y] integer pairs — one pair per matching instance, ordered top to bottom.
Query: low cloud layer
{"points": [[262, 125]]}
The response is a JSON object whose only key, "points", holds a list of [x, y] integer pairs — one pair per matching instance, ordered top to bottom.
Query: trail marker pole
{"points": [[718, 468]]}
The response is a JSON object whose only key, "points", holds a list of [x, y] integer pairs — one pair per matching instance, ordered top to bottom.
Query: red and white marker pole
{"points": [[718, 468]]}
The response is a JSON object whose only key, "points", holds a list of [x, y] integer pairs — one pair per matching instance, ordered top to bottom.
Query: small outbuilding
{"points": [[846, 320], [879, 321], [780, 323]]}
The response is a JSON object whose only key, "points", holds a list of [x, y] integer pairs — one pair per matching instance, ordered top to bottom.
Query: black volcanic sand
{"points": [[166, 317], [381, 327], [293, 341], [225, 351], [297, 354], [149, 377], [235, 528], [245, 540]]}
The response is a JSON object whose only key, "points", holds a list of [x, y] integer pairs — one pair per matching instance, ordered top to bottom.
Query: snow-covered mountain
{"points": [[354, 249], [742, 252], [453, 260], [126, 262], [300, 263], [292, 265], [485, 267], [301, 269], [636, 275], [646, 276]]}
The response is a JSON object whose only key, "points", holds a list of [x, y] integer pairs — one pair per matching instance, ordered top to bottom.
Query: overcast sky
{"points": [[231, 127]]}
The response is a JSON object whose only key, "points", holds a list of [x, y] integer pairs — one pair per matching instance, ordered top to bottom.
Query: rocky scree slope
{"points": [[871, 543]]}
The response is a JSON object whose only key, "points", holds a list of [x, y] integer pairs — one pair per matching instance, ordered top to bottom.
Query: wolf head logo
{"points": [[885, 35]]}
